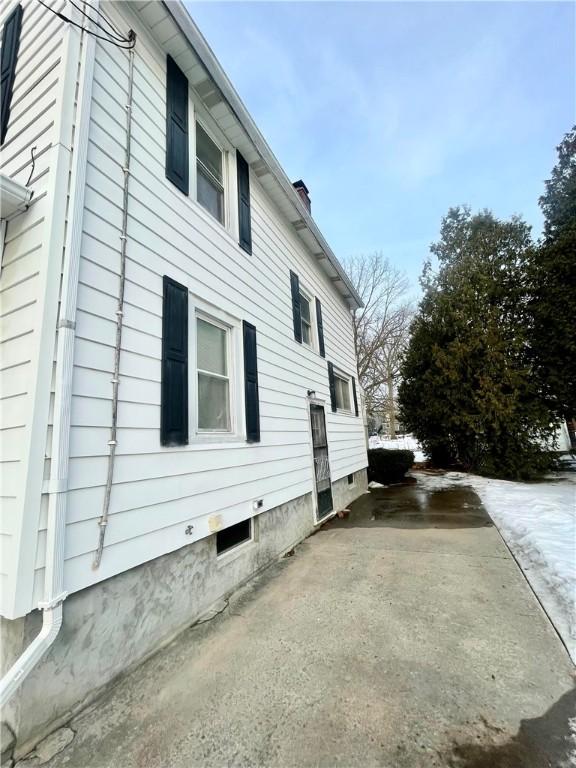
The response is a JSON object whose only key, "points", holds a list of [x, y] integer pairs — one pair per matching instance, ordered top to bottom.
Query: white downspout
{"points": [[54, 592]]}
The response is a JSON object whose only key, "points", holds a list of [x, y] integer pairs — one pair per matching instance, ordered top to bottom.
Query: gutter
{"points": [[191, 32], [14, 197], [54, 594]]}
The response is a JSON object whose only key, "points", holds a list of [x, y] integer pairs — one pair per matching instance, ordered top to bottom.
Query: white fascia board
{"points": [[180, 14], [14, 197]]}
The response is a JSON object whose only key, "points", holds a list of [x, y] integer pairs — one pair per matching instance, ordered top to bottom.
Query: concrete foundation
{"points": [[112, 626]]}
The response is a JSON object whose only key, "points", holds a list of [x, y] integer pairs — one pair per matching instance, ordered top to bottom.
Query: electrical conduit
{"points": [[103, 522]]}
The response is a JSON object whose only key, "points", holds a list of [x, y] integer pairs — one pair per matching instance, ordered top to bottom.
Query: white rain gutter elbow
{"points": [[14, 197], [51, 623]]}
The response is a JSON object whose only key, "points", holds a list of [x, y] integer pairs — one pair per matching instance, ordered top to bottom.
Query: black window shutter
{"points": [[10, 44], [176, 126], [244, 222], [295, 286], [320, 325], [251, 384], [332, 385], [174, 388], [354, 396]]}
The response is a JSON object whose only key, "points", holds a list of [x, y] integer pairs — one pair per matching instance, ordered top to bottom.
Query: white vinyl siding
{"points": [[28, 285], [158, 491]]}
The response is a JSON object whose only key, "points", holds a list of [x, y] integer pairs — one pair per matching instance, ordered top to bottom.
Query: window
{"points": [[209, 175], [305, 319], [212, 364], [209, 374], [342, 387], [351, 479], [233, 536]]}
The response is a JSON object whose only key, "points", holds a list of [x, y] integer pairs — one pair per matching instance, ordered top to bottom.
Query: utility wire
{"points": [[114, 33], [126, 43], [33, 163]]}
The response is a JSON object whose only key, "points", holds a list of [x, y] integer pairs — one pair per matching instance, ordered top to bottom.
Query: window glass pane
{"points": [[208, 153], [209, 195], [305, 309], [306, 333], [211, 347], [338, 388], [342, 393], [346, 396], [213, 403]]}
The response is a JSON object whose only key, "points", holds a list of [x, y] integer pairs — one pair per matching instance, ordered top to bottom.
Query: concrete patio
{"points": [[403, 636]]}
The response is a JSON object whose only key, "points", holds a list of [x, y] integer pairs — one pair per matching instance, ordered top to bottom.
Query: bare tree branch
{"points": [[381, 329]]}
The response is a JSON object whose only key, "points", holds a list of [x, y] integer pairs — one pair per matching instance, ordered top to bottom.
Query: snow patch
{"points": [[405, 443]]}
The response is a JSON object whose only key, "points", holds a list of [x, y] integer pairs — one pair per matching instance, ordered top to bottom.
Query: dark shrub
{"points": [[388, 466]]}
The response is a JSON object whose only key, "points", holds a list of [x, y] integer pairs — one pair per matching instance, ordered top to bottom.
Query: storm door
{"points": [[321, 463]]}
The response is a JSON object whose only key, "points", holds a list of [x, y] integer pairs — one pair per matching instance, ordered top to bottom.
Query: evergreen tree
{"points": [[553, 275], [468, 393]]}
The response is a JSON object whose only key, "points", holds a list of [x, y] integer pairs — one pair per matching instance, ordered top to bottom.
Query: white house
{"points": [[179, 396]]}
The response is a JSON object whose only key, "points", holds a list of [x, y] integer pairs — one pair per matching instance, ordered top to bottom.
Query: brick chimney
{"points": [[302, 190]]}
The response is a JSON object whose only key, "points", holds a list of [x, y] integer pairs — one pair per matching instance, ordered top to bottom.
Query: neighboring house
{"points": [[179, 397]]}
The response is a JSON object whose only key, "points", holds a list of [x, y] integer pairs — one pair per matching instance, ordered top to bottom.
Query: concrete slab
{"points": [[402, 636]]}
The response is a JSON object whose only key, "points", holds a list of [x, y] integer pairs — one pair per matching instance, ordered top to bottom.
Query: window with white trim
{"points": [[209, 174], [306, 319], [213, 363], [342, 387]]}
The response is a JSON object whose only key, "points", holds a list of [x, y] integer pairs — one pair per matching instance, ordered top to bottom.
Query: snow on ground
{"points": [[405, 443], [538, 522]]}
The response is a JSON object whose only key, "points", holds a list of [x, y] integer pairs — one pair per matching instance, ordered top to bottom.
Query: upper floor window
{"points": [[209, 174], [212, 178], [306, 312], [305, 319]]}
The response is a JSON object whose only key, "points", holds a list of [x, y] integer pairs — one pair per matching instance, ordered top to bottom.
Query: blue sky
{"points": [[393, 112]]}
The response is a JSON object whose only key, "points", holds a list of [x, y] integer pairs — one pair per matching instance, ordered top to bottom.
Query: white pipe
{"points": [[54, 592]]}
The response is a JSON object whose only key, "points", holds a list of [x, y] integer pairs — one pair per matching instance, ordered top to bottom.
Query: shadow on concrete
{"points": [[412, 506], [542, 742]]}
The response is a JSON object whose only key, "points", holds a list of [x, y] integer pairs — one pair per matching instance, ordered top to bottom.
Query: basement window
{"points": [[351, 479], [233, 536]]}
